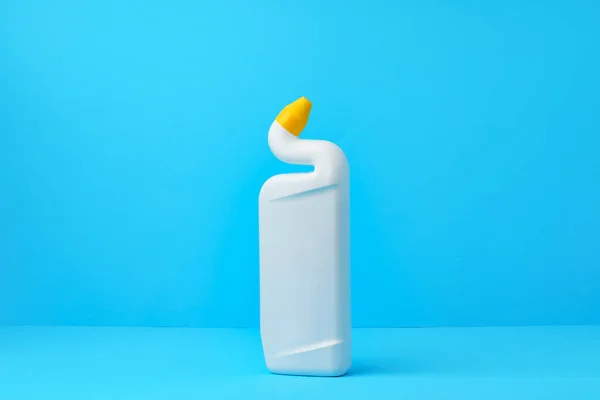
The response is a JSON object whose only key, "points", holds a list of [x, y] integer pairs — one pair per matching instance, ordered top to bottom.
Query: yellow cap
{"points": [[294, 116]]}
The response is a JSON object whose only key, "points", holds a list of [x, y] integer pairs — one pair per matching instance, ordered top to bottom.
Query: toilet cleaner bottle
{"points": [[304, 240]]}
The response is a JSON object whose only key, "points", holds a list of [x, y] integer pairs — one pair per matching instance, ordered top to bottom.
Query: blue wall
{"points": [[133, 147]]}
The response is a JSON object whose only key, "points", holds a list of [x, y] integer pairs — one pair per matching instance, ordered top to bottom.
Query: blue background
{"points": [[133, 146]]}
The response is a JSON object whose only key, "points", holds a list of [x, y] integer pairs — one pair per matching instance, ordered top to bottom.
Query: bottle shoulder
{"points": [[287, 185]]}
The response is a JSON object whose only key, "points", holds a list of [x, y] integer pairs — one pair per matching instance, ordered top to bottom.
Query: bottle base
{"points": [[327, 359]]}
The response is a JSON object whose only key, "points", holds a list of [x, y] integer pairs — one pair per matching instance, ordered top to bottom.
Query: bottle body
{"points": [[304, 235]]}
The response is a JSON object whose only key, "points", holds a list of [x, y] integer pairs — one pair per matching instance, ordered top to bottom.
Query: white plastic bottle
{"points": [[304, 235]]}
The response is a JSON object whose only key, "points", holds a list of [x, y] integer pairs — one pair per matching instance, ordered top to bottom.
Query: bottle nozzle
{"points": [[294, 116]]}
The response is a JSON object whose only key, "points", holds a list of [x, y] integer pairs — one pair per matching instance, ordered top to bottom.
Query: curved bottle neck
{"points": [[326, 157]]}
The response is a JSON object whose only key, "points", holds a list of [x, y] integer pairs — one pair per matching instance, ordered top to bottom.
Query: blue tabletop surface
{"points": [[186, 363]]}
